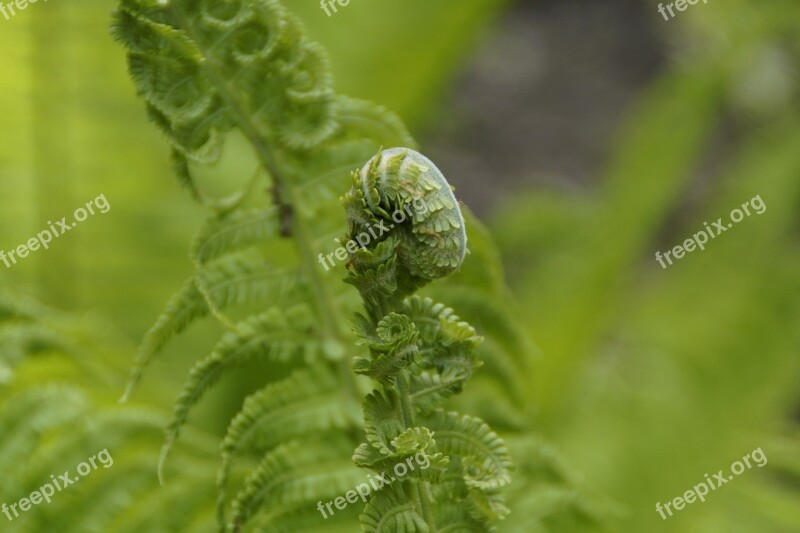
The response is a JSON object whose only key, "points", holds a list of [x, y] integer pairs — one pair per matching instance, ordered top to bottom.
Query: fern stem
{"points": [[280, 189], [403, 384], [422, 495]]}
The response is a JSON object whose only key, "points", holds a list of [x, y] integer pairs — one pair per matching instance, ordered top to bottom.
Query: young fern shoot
{"points": [[210, 69], [420, 353]]}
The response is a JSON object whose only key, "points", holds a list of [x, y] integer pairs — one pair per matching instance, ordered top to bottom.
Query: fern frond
{"points": [[257, 43], [208, 67], [361, 118], [233, 232], [244, 278], [234, 281], [182, 309], [438, 323], [274, 335], [393, 346], [429, 390], [306, 403], [29, 416], [381, 423], [489, 463], [293, 475], [391, 509], [454, 517]]}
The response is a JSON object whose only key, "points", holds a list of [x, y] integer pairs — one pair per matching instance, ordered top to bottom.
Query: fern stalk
{"points": [[281, 186]]}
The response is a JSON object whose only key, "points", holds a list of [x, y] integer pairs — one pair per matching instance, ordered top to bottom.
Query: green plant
{"points": [[243, 73], [421, 353], [695, 366], [55, 410]]}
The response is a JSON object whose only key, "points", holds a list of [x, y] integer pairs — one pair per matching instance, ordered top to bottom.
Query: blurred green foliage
{"points": [[652, 378]]}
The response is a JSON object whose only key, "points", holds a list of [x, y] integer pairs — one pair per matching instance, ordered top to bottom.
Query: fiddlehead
{"points": [[402, 193], [420, 353]]}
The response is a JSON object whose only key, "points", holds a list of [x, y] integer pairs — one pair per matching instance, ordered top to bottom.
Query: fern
{"points": [[208, 68], [238, 230], [236, 281], [272, 334], [419, 350], [307, 402], [55, 413], [293, 476], [393, 510]]}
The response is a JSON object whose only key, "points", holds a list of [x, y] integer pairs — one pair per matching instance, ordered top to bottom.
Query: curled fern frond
{"points": [[180, 51], [403, 189], [393, 346], [421, 353], [431, 389], [381, 423]]}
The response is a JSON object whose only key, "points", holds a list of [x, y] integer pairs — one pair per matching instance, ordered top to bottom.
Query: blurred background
{"points": [[587, 135]]}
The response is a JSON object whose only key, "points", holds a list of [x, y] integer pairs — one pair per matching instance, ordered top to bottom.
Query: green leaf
{"points": [[233, 281], [276, 335], [305, 404], [489, 463], [294, 475], [391, 510]]}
